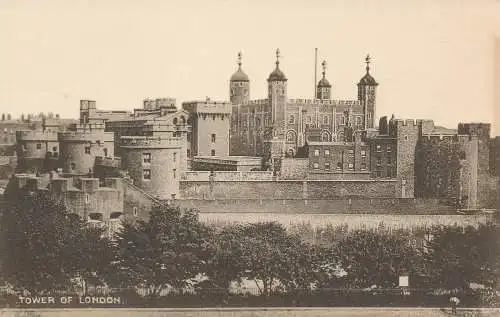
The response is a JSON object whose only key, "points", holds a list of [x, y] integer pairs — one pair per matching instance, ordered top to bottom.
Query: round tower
{"points": [[239, 85], [324, 88], [367, 89], [36, 149], [78, 150], [154, 163]]}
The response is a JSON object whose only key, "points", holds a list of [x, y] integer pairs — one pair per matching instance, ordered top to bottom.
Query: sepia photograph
{"points": [[249, 158]]}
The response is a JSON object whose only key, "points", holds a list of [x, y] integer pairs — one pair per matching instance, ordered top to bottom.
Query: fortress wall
{"points": [[286, 189], [306, 207]]}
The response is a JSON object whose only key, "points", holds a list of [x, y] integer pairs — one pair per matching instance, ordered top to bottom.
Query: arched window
{"points": [[291, 119], [325, 119], [183, 120], [175, 121], [291, 136], [325, 136]]}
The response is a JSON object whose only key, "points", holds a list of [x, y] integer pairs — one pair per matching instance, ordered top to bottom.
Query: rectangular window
{"points": [[213, 137], [39, 146], [388, 147], [379, 148], [54, 149], [87, 150], [316, 152], [327, 152], [351, 152], [188, 153], [212, 153], [363, 153], [174, 157], [146, 158], [389, 160], [379, 161], [327, 165], [316, 166], [350, 166], [363, 166], [389, 172], [174, 173], [378, 173], [146, 174]]}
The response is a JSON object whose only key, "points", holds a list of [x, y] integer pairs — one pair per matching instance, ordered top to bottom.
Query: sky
{"points": [[432, 59]]}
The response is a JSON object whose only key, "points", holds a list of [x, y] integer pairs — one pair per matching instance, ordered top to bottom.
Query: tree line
{"points": [[44, 247]]}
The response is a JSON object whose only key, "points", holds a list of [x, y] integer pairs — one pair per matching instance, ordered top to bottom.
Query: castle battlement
{"points": [[257, 102], [88, 104], [150, 104], [208, 107], [405, 122], [31, 135], [86, 136], [149, 142], [108, 161]]}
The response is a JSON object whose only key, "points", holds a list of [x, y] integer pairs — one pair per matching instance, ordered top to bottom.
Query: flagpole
{"points": [[315, 71]]}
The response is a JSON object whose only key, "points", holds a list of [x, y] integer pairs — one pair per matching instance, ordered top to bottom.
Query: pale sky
{"points": [[433, 59]]}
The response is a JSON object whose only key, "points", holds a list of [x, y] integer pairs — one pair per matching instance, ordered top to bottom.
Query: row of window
{"points": [[326, 120], [388, 148], [349, 151], [146, 157], [339, 167], [146, 174]]}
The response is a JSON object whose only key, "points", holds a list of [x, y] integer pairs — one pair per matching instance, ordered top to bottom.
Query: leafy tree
{"points": [[44, 246], [169, 249], [459, 256], [377, 257], [273, 258], [225, 263]]}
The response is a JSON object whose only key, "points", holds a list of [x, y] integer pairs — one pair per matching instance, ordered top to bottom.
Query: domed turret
{"points": [[277, 74], [239, 75], [368, 80], [239, 85], [323, 90], [367, 92]]}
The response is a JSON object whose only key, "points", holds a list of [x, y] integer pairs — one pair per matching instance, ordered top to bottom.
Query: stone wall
{"points": [[286, 189], [397, 206], [321, 221]]}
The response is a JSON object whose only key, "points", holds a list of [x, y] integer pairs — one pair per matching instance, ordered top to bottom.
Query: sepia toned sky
{"points": [[433, 59]]}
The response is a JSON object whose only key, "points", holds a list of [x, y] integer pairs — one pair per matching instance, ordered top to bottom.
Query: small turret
{"points": [[324, 86]]}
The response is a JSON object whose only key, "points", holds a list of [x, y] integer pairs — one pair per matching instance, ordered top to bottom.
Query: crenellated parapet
{"points": [[208, 107], [33, 135], [86, 136], [149, 142], [113, 162]]}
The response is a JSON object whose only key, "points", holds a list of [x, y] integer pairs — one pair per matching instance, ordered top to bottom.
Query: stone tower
{"points": [[239, 85], [324, 88], [367, 93], [277, 94], [274, 136]]}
